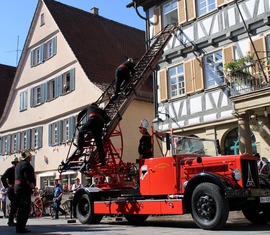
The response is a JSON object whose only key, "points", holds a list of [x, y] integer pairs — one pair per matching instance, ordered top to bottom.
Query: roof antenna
{"points": [[17, 51]]}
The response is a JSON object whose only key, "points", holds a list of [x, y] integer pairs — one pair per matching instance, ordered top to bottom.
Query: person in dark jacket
{"points": [[123, 74], [97, 118], [145, 144], [8, 182], [24, 186]]}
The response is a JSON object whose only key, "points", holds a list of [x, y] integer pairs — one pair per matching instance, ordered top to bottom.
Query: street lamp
{"points": [[157, 123]]}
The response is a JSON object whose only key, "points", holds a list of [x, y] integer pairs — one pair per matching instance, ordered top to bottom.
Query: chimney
{"points": [[94, 11]]}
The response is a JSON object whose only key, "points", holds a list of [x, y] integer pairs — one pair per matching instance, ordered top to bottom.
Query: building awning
{"points": [[69, 172]]}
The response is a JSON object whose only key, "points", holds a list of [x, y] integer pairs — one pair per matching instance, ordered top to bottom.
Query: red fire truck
{"points": [[189, 176]]}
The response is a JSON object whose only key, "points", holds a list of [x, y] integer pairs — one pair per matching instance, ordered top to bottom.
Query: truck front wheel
{"points": [[210, 209], [85, 211]]}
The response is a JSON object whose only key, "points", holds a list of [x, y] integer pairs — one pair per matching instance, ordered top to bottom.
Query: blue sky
{"points": [[16, 17]]}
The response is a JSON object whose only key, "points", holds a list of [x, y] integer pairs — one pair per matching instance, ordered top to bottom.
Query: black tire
{"points": [[210, 209], [85, 211], [257, 213], [136, 219]]}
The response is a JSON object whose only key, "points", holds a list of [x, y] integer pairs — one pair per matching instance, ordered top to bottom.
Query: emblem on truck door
{"points": [[144, 171]]}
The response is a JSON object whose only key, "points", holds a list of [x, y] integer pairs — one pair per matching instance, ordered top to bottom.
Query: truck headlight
{"points": [[236, 174]]}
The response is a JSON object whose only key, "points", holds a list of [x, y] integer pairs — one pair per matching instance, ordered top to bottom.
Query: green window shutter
{"points": [[54, 45], [32, 58], [72, 79], [59, 85], [32, 97], [42, 98], [71, 122], [40, 132], [59, 132], [50, 135], [18, 137], [28, 138], [1, 150]]}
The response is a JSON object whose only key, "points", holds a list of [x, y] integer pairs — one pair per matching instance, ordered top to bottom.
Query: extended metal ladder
{"points": [[144, 69], [116, 108]]}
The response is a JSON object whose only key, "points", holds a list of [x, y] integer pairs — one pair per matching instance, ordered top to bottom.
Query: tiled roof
{"points": [[99, 44], [7, 74]]}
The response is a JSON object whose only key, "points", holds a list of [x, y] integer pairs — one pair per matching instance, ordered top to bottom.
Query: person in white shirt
{"points": [[76, 185]]}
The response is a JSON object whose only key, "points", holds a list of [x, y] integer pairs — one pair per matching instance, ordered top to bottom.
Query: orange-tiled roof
{"points": [[99, 44], [7, 74]]}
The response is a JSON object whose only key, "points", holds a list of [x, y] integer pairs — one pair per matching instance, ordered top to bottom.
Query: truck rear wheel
{"points": [[210, 209], [85, 211], [257, 213], [136, 219]]}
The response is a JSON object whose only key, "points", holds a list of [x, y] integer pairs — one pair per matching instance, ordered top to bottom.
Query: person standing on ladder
{"points": [[123, 74], [97, 118]]}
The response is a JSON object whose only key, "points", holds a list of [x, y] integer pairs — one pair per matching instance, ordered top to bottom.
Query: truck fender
{"points": [[198, 179]]}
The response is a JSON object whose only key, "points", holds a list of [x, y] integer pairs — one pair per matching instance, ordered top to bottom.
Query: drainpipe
{"points": [[147, 39]]}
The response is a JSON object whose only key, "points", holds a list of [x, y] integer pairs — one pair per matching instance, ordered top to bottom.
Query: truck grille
{"points": [[249, 173]]}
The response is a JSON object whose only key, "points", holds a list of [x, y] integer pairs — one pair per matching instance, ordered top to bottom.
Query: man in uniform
{"points": [[123, 74], [97, 117], [145, 144], [8, 182], [24, 186]]}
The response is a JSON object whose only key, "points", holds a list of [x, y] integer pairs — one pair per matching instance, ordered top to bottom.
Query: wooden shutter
{"points": [[220, 2], [191, 9], [182, 15], [157, 20], [260, 47], [228, 54], [32, 57], [228, 57], [198, 74], [189, 79], [163, 85], [59, 86]]}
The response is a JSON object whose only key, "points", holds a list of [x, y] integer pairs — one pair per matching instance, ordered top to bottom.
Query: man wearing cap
{"points": [[123, 74], [96, 119], [145, 144], [8, 182], [24, 186]]}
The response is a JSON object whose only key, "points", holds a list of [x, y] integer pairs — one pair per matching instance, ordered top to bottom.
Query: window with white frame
{"points": [[205, 6], [170, 14], [43, 52], [214, 69], [176, 81], [51, 93], [37, 95], [23, 100], [68, 129], [55, 133], [36, 138], [25, 140], [15, 142]]}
